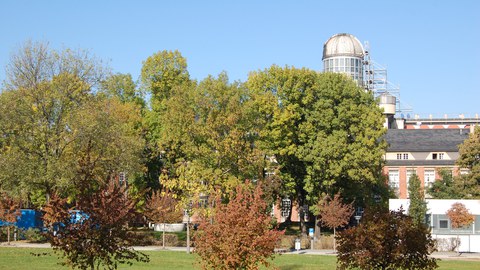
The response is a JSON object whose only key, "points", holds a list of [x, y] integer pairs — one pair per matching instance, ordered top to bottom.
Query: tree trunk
{"points": [[301, 212], [303, 227], [317, 229], [188, 233], [8, 235], [163, 236], [334, 240], [458, 244]]}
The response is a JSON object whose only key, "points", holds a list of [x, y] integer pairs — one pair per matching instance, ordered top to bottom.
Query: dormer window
{"points": [[402, 155], [438, 155]]}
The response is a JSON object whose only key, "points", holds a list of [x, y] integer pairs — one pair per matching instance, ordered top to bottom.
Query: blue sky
{"points": [[430, 48]]}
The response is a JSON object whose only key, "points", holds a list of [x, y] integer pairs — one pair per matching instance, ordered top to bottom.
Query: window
{"points": [[402, 155], [438, 155], [405, 156], [464, 171], [429, 178], [394, 180], [203, 201], [286, 205], [443, 224]]}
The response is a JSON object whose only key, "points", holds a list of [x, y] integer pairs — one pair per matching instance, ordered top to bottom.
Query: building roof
{"points": [[342, 45], [425, 140]]}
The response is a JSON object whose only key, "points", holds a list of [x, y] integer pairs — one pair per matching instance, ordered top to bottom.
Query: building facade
{"points": [[423, 152], [440, 224]]}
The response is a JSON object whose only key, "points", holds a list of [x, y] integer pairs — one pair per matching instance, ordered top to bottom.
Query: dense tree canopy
{"points": [[57, 130], [323, 130]]}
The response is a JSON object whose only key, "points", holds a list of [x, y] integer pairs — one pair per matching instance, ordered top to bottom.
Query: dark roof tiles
{"points": [[425, 140]]}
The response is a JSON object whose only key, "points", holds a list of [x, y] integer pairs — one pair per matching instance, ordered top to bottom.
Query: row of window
{"points": [[343, 62], [434, 156], [394, 178]]}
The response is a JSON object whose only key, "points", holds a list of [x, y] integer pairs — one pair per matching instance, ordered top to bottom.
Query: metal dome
{"points": [[343, 45]]}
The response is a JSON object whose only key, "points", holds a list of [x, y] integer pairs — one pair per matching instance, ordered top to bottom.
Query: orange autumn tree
{"points": [[162, 207], [9, 211], [334, 213], [459, 217], [239, 234]]}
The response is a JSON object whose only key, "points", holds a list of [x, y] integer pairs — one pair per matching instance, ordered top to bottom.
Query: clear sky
{"points": [[430, 48]]}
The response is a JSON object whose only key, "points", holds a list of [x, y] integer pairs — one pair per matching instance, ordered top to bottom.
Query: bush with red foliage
{"points": [[97, 234], [238, 235], [386, 240]]}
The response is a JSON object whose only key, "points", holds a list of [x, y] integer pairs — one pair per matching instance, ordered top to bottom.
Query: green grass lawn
{"points": [[21, 258]]}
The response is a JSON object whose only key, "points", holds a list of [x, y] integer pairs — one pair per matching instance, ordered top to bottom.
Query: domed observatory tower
{"points": [[344, 53]]}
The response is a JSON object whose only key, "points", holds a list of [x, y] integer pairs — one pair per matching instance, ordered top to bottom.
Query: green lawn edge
{"points": [[24, 258]]}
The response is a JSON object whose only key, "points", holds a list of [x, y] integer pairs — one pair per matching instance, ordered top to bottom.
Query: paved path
{"points": [[327, 252]]}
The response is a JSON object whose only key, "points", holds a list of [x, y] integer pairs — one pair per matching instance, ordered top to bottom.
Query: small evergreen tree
{"points": [[418, 206]]}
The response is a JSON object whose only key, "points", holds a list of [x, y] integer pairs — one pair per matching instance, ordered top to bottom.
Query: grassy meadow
{"points": [[22, 259]]}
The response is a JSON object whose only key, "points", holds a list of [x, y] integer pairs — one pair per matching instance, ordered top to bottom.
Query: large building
{"points": [[416, 145]]}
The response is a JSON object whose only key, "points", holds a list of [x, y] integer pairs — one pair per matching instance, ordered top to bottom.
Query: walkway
{"points": [[439, 255]]}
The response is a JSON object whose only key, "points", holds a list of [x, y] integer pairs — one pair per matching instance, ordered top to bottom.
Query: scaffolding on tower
{"points": [[376, 81]]}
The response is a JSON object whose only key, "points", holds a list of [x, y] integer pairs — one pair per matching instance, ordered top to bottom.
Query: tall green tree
{"points": [[35, 63], [161, 74], [279, 95], [212, 128], [56, 130], [323, 130], [342, 140], [418, 206]]}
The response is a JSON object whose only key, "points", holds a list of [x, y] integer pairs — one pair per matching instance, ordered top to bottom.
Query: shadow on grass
{"points": [[290, 267]]}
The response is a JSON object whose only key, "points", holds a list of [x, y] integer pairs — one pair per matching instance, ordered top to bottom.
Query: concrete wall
{"points": [[468, 243]]}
